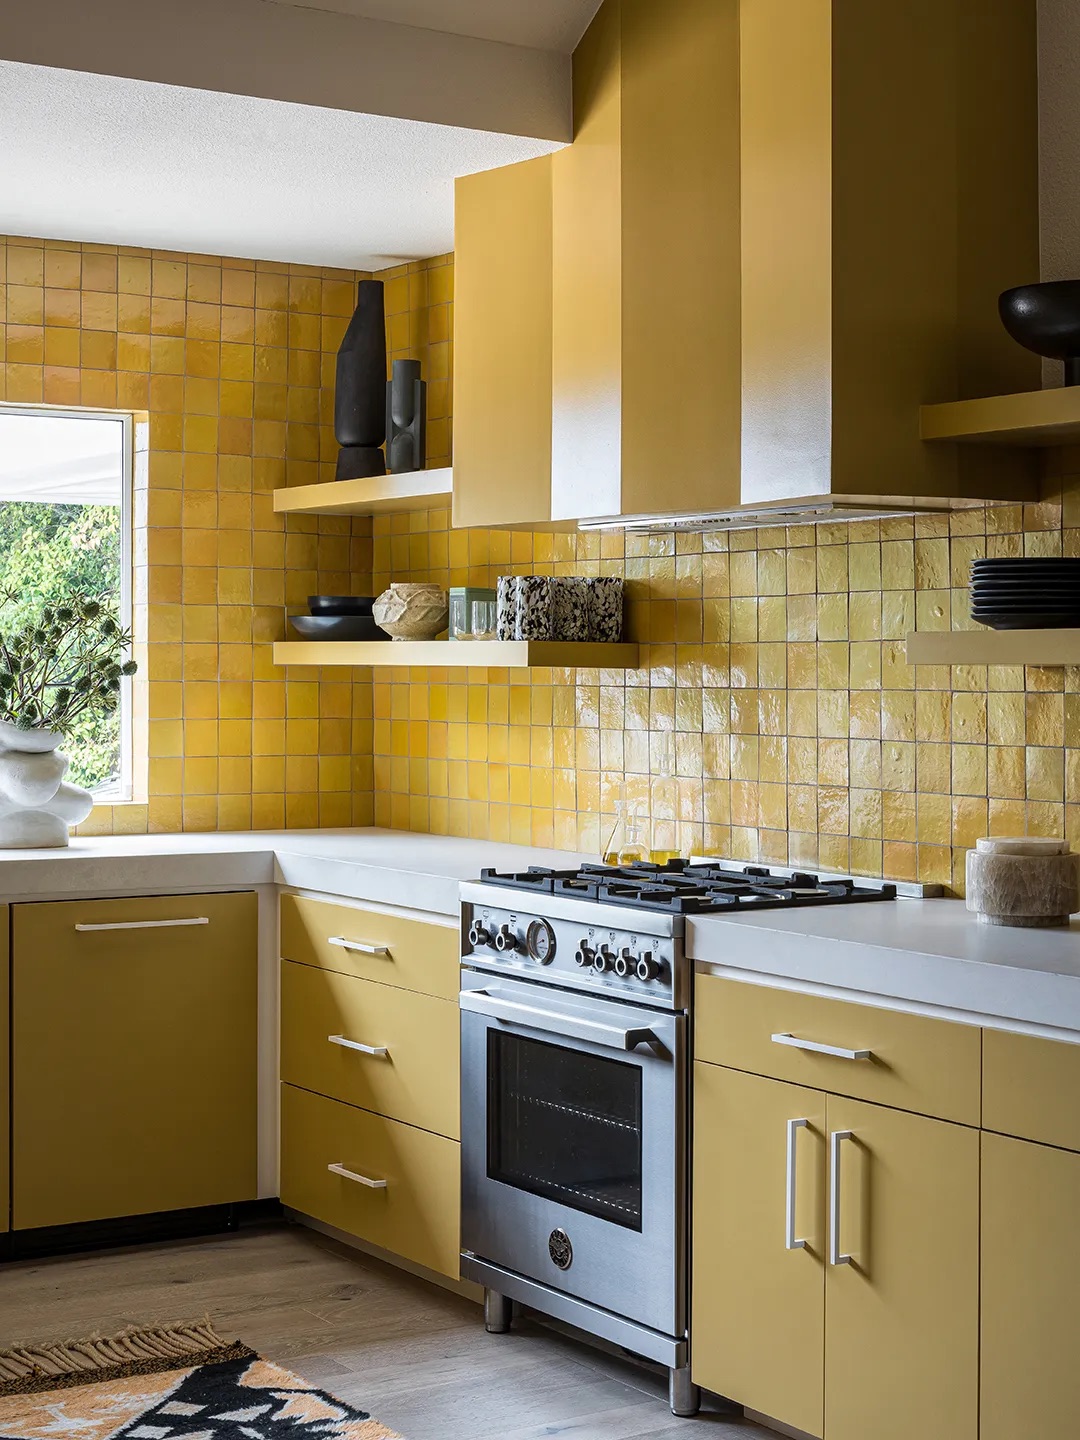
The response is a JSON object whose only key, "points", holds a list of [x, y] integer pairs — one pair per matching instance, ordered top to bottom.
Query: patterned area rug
{"points": [[180, 1383]]}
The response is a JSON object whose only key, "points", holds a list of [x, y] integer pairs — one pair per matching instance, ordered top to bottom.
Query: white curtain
{"points": [[61, 459]]}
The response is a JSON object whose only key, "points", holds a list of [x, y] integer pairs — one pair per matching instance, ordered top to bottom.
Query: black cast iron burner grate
{"points": [[684, 889]]}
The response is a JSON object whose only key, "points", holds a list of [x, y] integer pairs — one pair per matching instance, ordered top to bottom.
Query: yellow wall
{"points": [[419, 306], [233, 360], [775, 661]]}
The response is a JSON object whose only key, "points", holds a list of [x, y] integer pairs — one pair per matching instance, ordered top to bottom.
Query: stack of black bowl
{"points": [[1028, 593], [338, 617]]}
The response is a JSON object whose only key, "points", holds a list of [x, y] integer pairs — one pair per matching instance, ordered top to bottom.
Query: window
{"points": [[64, 526]]}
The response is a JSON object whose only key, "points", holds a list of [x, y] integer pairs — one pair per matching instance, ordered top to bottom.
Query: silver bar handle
{"points": [[144, 924], [358, 946], [573, 1027], [347, 1044], [815, 1047], [355, 1178], [790, 1242], [836, 1255]]}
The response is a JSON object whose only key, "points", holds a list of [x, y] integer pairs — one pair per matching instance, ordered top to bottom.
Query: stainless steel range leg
{"points": [[498, 1311], [684, 1396]]}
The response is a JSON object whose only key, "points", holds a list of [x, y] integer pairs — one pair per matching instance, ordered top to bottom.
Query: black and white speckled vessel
{"points": [[506, 606], [534, 607], [570, 607], [605, 608]]}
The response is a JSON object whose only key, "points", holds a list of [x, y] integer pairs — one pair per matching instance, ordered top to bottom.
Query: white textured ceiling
{"points": [[541, 24], [117, 161]]}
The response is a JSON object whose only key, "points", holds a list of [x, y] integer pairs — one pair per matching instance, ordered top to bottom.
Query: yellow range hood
{"points": [[887, 194], [782, 229]]}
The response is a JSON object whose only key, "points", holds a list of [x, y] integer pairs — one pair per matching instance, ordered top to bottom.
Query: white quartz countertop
{"points": [[391, 867], [931, 955]]}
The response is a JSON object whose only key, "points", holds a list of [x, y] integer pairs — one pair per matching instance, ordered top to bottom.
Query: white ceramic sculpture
{"points": [[412, 612], [37, 806]]}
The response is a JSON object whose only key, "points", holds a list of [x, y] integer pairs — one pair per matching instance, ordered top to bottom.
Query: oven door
{"points": [[573, 1154]]}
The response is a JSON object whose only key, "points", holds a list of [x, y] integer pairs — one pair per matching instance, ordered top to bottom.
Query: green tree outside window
{"points": [[47, 553]]}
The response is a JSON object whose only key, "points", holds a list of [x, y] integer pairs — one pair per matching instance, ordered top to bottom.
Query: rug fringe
{"points": [[139, 1350]]}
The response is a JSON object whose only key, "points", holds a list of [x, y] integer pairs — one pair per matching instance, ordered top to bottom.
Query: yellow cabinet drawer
{"points": [[413, 954], [326, 1019], [134, 1055], [931, 1067], [1030, 1087], [414, 1212]]}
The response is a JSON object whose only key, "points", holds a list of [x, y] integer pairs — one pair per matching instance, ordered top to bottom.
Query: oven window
{"points": [[565, 1125]]}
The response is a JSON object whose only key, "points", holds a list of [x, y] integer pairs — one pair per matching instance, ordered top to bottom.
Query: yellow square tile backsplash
{"points": [[232, 362], [773, 670], [773, 680]]}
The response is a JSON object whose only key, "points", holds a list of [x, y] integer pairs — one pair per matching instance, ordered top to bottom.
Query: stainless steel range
{"points": [[575, 995]]}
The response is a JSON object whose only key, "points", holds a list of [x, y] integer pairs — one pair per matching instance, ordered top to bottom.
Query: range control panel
{"points": [[605, 958]]}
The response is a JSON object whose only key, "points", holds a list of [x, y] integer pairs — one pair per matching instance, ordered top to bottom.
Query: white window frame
{"points": [[123, 791]]}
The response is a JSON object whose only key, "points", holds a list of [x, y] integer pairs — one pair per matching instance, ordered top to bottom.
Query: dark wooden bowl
{"points": [[1046, 318]]}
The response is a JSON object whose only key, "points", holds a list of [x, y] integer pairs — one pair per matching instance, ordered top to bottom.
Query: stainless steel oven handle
{"points": [[573, 1027]]}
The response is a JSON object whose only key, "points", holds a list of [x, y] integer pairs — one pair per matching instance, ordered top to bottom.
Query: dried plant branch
{"points": [[66, 662]]}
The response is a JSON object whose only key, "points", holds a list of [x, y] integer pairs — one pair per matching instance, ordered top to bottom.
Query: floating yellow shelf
{"points": [[1036, 417], [380, 495], [994, 647], [500, 654]]}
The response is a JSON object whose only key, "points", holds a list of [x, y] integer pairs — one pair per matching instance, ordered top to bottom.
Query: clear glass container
{"points": [[482, 617], [665, 830], [617, 838], [635, 846]]}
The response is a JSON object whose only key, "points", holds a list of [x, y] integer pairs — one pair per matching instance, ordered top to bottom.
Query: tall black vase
{"points": [[360, 390]]}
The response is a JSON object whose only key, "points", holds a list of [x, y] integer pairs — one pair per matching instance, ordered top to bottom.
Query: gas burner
{"points": [[681, 888]]}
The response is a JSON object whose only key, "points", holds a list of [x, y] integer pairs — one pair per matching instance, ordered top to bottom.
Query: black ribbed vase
{"points": [[360, 389]]}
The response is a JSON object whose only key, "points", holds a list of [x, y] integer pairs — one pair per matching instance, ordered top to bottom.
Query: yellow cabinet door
{"points": [[133, 1056], [5, 1074], [394, 1186], [1030, 1281], [758, 1296], [902, 1315]]}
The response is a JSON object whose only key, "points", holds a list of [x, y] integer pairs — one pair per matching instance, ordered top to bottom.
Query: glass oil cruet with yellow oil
{"points": [[664, 827], [626, 844]]}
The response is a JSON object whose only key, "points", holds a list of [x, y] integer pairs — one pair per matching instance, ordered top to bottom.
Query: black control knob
{"points": [[478, 936], [506, 940], [584, 955], [604, 960], [624, 964], [647, 968]]}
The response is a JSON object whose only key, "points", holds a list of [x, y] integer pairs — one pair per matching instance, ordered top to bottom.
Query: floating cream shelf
{"points": [[1036, 417], [380, 495], [994, 647], [500, 654]]}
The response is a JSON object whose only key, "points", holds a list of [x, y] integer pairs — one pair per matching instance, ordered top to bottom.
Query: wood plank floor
{"points": [[415, 1356]]}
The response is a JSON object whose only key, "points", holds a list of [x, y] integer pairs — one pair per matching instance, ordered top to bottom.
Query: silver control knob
{"points": [[478, 935], [506, 939], [584, 955], [604, 960], [624, 964], [647, 968]]}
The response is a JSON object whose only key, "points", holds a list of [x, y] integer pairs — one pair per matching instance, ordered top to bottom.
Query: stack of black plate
{"points": [[1030, 593]]}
